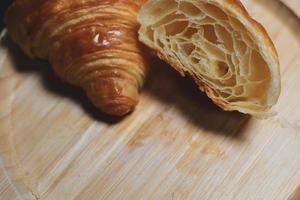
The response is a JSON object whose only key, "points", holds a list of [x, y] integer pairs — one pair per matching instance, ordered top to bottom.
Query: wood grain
{"points": [[176, 145]]}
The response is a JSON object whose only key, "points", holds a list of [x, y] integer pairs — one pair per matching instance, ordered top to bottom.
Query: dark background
{"points": [[3, 6]]}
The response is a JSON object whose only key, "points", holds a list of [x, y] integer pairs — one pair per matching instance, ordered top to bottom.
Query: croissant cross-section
{"points": [[228, 54]]}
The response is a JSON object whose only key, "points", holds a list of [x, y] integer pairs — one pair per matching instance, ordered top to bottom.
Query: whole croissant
{"points": [[89, 43]]}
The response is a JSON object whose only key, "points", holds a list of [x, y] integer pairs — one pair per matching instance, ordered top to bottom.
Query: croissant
{"points": [[89, 43], [228, 54]]}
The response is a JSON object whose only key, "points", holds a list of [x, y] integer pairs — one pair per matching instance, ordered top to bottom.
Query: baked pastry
{"points": [[89, 43], [228, 54]]}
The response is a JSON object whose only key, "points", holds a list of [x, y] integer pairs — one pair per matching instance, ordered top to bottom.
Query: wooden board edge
{"points": [[16, 175]]}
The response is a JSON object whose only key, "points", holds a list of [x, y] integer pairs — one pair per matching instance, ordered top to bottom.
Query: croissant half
{"points": [[89, 43], [228, 54]]}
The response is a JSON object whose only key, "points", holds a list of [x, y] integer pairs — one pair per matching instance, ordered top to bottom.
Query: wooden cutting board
{"points": [[177, 145]]}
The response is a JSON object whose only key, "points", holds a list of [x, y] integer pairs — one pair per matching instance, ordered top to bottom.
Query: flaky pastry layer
{"points": [[89, 43], [228, 54]]}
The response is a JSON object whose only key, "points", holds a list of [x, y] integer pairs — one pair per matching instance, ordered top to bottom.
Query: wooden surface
{"points": [[294, 5], [176, 145]]}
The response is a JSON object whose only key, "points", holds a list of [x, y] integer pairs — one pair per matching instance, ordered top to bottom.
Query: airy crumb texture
{"points": [[229, 54]]}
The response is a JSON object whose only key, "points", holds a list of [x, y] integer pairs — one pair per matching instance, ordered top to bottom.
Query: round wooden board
{"points": [[176, 145]]}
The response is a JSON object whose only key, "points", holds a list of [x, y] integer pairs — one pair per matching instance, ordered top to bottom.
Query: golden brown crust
{"points": [[236, 10], [258, 26], [90, 43], [275, 93]]}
